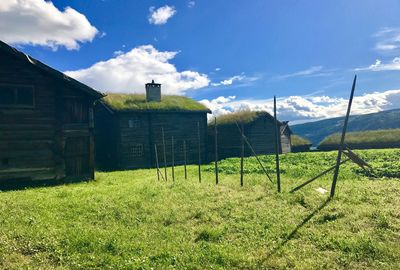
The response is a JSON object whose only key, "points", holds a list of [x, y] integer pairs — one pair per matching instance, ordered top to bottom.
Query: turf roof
{"points": [[137, 102], [240, 117]]}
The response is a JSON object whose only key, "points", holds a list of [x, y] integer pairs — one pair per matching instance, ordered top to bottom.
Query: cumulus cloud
{"points": [[191, 4], [161, 15], [39, 22], [379, 66], [128, 72], [302, 109]]}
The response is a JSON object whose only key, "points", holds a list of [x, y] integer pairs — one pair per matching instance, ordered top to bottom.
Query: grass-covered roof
{"points": [[137, 102], [240, 117], [297, 140]]}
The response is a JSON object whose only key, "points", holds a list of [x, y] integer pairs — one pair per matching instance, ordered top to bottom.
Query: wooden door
{"points": [[77, 156]]}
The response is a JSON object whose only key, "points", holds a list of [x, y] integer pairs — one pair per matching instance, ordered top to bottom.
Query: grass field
{"points": [[129, 220]]}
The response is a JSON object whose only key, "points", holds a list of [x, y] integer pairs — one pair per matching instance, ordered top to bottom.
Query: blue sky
{"points": [[231, 55]]}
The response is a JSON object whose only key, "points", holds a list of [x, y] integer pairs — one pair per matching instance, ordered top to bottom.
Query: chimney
{"points": [[153, 91]]}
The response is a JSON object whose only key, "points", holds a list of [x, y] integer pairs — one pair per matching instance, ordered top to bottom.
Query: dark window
{"points": [[16, 95], [76, 111], [134, 124], [137, 150]]}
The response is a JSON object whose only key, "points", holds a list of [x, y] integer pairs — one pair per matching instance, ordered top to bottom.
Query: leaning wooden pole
{"points": [[277, 133], [199, 149], [340, 150], [216, 151], [165, 155], [156, 156], [241, 156], [173, 158], [184, 158], [158, 166]]}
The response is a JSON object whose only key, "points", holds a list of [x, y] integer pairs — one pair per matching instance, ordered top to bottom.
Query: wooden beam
{"points": [[277, 134], [199, 149], [216, 151], [165, 155], [339, 156]]}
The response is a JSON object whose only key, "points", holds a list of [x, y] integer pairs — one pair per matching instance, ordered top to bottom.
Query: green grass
{"points": [[137, 102], [240, 117], [364, 139], [297, 140], [129, 220]]}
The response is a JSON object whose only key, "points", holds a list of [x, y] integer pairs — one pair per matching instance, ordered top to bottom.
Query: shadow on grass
{"points": [[29, 184], [298, 227]]}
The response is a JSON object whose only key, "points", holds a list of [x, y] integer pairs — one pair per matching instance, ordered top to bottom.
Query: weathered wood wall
{"points": [[137, 132], [260, 133], [32, 140]]}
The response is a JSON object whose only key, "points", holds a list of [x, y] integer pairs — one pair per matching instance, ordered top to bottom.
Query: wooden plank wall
{"points": [[145, 130], [260, 134], [27, 135], [32, 140]]}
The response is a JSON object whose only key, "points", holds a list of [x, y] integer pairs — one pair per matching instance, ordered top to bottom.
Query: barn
{"points": [[46, 121], [130, 126], [258, 127]]}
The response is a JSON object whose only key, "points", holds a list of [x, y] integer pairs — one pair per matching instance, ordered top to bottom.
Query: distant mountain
{"points": [[318, 130]]}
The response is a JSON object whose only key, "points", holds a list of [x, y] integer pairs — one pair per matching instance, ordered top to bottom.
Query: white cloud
{"points": [[191, 4], [161, 15], [39, 22], [389, 39], [379, 66], [217, 69], [312, 71], [128, 72], [237, 78], [230, 80], [301, 109]]}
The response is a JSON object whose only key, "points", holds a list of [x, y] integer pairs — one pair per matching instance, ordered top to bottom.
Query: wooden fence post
{"points": [[199, 149], [216, 151], [165, 155], [156, 156], [241, 156], [339, 156], [173, 157], [184, 158], [278, 174]]}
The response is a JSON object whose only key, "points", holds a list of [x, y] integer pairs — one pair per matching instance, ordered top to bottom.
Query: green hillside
{"points": [[317, 131], [386, 138]]}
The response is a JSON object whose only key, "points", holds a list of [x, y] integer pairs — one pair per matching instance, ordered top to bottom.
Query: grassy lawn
{"points": [[129, 220]]}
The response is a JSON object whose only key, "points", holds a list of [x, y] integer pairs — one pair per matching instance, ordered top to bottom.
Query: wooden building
{"points": [[46, 121], [128, 126], [258, 127]]}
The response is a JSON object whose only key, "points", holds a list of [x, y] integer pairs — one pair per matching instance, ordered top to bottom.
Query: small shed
{"points": [[46, 121], [130, 126], [258, 127]]}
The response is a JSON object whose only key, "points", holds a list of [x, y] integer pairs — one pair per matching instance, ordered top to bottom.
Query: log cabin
{"points": [[46, 121], [129, 127], [258, 127]]}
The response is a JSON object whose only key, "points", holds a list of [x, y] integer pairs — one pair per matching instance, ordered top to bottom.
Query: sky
{"points": [[229, 55]]}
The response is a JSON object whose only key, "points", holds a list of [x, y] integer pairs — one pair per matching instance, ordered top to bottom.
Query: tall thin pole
{"points": [[199, 149], [216, 150], [165, 155], [156, 156], [241, 156], [339, 156], [173, 158], [184, 158], [158, 166], [278, 173]]}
